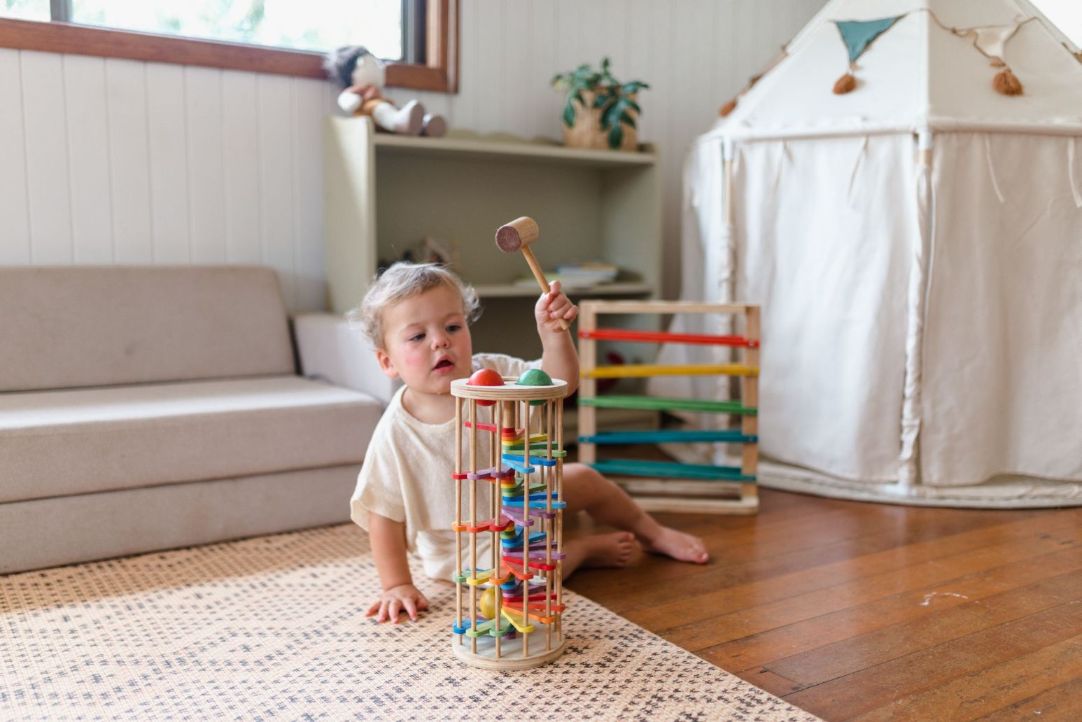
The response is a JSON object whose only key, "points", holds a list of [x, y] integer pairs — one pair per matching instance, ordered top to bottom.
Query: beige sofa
{"points": [[145, 408]]}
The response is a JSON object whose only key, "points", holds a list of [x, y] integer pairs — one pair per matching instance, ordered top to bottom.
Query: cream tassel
{"points": [[1007, 83], [845, 84]]}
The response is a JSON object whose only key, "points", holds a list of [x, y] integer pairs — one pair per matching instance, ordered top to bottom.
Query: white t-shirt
{"points": [[406, 477]]}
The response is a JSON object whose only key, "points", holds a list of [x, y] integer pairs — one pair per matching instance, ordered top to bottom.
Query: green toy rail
{"points": [[655, 403]]}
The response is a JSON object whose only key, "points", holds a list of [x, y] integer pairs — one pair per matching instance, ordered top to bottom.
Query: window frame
{"points": [[439, 73]]}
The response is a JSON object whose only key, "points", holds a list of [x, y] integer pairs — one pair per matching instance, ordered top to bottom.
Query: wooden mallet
{"points": [[517, 236]]}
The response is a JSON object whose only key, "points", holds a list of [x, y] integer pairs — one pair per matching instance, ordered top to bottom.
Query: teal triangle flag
{"points": [[859, 34]]}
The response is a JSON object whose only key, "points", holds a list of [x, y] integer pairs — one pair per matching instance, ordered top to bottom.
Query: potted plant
{"points": [[600, 111]]}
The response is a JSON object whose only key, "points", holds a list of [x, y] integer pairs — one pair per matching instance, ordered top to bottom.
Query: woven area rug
{"points": [[274, 628]]}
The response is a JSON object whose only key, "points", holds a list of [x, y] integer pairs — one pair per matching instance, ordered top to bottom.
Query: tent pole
{"points": [[727, 162], [909, 471]]}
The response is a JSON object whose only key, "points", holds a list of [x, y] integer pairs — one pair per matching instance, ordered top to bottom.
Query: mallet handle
{"points": [[536, 268], [541, 280]]}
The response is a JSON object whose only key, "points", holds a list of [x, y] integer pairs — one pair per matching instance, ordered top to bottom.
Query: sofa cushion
{"points": [[75, 326], [87, 440], [78, 528]]}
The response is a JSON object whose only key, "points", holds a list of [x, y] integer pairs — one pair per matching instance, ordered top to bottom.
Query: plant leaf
{"points": [[569, 115], [610, 117], [616, 137]]}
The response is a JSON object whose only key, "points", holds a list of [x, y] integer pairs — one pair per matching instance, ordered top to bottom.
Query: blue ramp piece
{"points": [[517, 459], [518, 465], [541, 503]]}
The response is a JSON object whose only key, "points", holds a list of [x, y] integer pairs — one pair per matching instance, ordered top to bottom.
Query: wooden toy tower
{"points": [[672, 486], [509, 590]]}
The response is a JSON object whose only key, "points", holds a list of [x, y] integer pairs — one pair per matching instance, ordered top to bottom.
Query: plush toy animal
{"points": [[361, 74]]}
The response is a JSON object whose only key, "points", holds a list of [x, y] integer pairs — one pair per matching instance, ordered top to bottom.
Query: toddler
{"points": [[417, 317]]}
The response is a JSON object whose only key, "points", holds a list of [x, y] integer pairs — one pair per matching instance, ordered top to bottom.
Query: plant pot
{"points": [[588, 133]]}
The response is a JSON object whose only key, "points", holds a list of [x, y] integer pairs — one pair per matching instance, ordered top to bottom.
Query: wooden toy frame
{"points": [[701, 487], [525, 583]]}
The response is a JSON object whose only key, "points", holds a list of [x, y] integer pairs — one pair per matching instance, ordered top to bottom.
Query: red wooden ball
{"points": [[485, 377]]}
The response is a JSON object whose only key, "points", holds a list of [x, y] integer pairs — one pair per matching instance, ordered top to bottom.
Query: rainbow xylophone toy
{"points": [[676, 486]]}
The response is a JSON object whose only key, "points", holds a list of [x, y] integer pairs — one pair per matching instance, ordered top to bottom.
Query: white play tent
{"points": [[916, 246]]}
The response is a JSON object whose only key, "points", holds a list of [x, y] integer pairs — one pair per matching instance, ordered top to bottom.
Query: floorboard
{"points": [[866, 611]]}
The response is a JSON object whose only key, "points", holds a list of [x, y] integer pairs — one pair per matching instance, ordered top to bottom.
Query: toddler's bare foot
{"points": [[678, 545], [599, 550], [608, 550]]}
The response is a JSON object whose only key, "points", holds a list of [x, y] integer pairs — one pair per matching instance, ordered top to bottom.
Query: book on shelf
{"points": [[582, 275]]}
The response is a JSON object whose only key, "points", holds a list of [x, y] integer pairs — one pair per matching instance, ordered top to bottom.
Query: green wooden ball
{"points": [[535, 377]]}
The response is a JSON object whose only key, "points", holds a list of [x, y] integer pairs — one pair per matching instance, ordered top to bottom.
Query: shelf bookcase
{"points": [[385, 193]]}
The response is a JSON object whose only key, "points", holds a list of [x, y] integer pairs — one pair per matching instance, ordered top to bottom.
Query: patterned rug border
{"points": [[273, 628]]}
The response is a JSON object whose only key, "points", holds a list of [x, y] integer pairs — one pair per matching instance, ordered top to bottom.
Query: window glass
{"points": [[25, 9], [316, 25]]}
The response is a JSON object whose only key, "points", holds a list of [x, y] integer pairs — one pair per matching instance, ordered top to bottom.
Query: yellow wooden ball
{"points": [[487, 604]]}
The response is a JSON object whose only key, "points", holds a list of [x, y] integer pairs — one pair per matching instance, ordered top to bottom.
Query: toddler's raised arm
{"points": [[553, 311]]}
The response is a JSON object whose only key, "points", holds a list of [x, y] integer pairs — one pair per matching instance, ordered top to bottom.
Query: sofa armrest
{"points": [[330, 349]]}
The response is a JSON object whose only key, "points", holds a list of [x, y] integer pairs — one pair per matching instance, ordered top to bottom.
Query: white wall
{"points": [[1064, 14], [120, 161]]}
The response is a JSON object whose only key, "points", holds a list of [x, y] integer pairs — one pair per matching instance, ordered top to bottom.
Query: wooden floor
{"points": [[873, 611]]}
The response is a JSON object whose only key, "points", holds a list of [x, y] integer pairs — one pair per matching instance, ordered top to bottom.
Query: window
{"points": [[25, 9], [418, 37]]}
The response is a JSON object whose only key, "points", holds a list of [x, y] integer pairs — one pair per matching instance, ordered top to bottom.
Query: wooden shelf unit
{"points": [[385, 193]]}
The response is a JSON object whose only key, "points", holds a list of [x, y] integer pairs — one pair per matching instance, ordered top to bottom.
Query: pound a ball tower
{"points": [[508, 556]]}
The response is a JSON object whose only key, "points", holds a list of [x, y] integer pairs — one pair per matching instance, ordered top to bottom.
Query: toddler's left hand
{"points": [[553, 308]]}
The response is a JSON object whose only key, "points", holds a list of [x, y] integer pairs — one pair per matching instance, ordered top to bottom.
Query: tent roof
{"points": [[916, 75]]}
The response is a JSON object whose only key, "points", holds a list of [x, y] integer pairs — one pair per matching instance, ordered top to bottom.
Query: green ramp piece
{"points": [[657, 403], [670, 436], [541, 446], [671, 470], [481, 629]]}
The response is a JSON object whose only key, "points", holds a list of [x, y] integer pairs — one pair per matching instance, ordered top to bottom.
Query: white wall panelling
{"points": [[310, 102], [240, 119], [88, 156], [205, 158], [129, 160], [119, 161], [276, 175], [48, 180], [14, 207], [170, 209]]}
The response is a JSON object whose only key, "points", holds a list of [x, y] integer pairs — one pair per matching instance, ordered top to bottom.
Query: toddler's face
{"points": [[426, 341]]}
